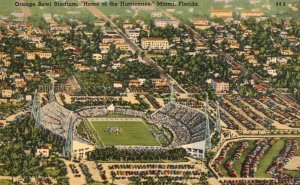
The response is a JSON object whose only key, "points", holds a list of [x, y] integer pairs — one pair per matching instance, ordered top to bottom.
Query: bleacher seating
{"points": [[188, 123]]}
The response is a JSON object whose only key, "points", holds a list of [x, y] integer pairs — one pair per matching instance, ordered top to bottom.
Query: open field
{"points": [[8, 7], [65, 12], [133, 133]]}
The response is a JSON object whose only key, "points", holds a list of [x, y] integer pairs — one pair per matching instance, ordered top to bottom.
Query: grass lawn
{"points": [[8, 7], [134, 133], [298, 151], [228, 155], [268, 158], [238, 164], [52, 172], [293, 173]]}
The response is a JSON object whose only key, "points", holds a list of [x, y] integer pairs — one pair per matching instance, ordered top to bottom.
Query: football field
{"points": [[124, 132]]}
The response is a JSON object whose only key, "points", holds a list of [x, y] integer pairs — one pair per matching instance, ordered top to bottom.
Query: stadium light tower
{"points": [[52, 91], [172, 95], [206, 103], [33, 107], [36, 110], [38, 122], [218, 122], [207, 127], [68, 149]]}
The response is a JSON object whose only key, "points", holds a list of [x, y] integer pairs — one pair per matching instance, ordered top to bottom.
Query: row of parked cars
{"points": [[237, 154], [253, 158], [74, 170]]}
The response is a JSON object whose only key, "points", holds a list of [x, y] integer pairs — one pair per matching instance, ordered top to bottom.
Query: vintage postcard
{"points": [[150, 92]]}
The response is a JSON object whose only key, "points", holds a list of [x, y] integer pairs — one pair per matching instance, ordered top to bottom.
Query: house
{"points": [[221, 13], [156, 14], [244, 14], [166, 22], [99, 23], [200, 23], [128, 25], [62, 28], [133, 34], [117, 39], [155, 43], [123, 47], [104, 48], [287, 52], [44, 54], [3, 55], [30, 55], [97, 56], [277, 60], [116, 65], [80, 67], [235, 71], [271, 71], [3, 74], [20, 82], [159, 82], [134, 83], [117, 84], [219, 85], [261, 88], [6, 93], [28, 97], [43, 151]]}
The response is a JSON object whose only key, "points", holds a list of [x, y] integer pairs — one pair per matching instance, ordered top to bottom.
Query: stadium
{"points": [[174, 125]]}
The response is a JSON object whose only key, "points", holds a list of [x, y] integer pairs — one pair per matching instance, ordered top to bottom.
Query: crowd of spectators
{"points": [[92, 111], [56, 118], [183, 121]]}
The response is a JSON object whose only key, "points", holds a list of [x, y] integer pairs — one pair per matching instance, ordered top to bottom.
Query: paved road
{"points": [[97, 13]]}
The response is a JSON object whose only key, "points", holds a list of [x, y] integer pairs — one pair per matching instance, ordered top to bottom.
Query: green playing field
{"points": [[133, 133]]}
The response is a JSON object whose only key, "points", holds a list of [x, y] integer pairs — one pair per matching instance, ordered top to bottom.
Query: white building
{"points": [[166, 22], [133, 34], [154, 43], [219, 85], [81, 150], [196, 150], [43, 151]]}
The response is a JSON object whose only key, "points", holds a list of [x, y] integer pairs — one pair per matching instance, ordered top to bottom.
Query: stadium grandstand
{"points": [[55, 120], [187, 125], [190, 127]]}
